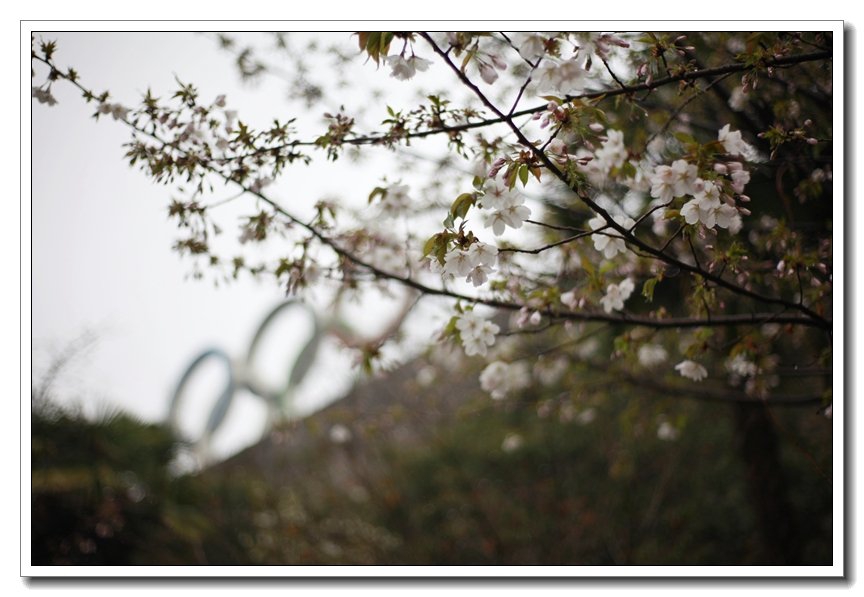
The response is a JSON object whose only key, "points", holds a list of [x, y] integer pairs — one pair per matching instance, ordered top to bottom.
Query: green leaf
{"points": [[685, 138], [523, 174], [377, 191], [461, 205], [431, 243], [648, 289]]}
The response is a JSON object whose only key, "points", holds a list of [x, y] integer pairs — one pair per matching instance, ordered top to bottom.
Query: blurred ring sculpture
{"points": [[242, 376]]}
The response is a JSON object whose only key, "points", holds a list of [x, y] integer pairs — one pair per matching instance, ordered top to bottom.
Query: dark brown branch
{"points": [[604, 93], [629, 238], [585, 316]]}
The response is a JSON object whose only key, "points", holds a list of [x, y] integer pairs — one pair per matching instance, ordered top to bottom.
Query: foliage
{"points": [[592, 477]]}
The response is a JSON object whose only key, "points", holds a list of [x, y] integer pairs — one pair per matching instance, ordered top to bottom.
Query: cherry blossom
{"points": [[405, 68], [559, 77], [733, 142], [613, 153], [509, 211], [608, 244], [475, 263], [616, 294], [476, 332], [651, 355], [740, 365], [691, 370], [500, 378]]}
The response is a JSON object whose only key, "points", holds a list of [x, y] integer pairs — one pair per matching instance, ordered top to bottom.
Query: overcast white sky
{"points": [[102, 262]]}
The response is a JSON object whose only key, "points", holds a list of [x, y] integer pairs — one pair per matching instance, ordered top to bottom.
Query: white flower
{"points": [[531, 45], [405, 68], [561, 77], [42, 95], [738, 99], [119, 112], [733, 143], [613, 153], [685, 175], [740, 178], [676, 180], [663, 184], [495, 196], [396, 200], [705, 205], [509, 211], [728, 217], [605, 243], [482, 253], [458, 263], [476, 263], [479, 275], [616, 294], [570, 299], [477, 333], [651, 355], [739, 365], [691, 370], [549, 372], [500, 378]]}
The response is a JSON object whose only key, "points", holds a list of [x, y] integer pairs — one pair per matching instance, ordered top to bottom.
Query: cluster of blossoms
{"points": [[403, 68], [559, 77], [43, 96], [117, 111], [612, 153], [709, 206], [502, 208], [475, 263], [616, 294], [477, 333], [740, 365], [500, 378]]}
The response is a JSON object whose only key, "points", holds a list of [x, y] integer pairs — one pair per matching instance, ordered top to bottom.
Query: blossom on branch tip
{"points": [[404, 68], [42, 95], [734, 143], [691, 370]]}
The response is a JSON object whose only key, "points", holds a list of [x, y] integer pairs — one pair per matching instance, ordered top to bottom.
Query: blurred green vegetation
{"points": [[549, 477]]}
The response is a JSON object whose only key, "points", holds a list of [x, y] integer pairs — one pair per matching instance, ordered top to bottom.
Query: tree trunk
{"points": [[767, 484]]}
